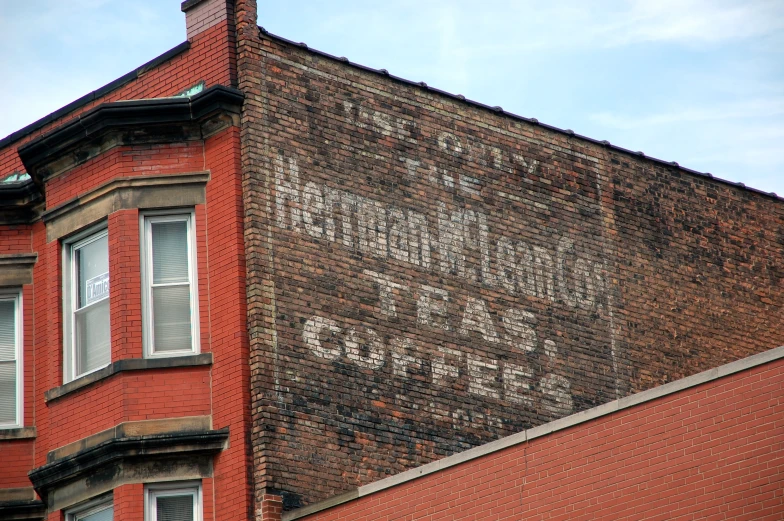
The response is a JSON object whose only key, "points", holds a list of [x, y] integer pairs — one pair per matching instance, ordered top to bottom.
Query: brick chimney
{"points": [[200, 15]]}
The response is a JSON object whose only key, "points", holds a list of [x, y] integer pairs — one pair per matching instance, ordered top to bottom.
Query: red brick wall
{"points": [[133, 161], [15, 239], [441, 275], [226, 308], [220, 390], [128, 396], [713, 452], [17, 460], [129, 501]]}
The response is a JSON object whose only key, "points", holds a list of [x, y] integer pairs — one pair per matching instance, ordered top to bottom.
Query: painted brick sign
{"points": [[441, 275]]}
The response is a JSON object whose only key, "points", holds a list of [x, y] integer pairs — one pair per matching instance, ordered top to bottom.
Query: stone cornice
{"points": [[145, 121], [92, 459]]}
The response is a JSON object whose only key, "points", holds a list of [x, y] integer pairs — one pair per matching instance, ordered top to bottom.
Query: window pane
{"points": [[169, 252], [92, 268], [171, 309], [7, 330], [93, 337], [7, 392], [174, 508], [103, 515]]}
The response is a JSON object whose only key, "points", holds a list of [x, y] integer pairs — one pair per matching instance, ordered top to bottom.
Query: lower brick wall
{"points": [[128, 396], [715, 451], [16, 459]]}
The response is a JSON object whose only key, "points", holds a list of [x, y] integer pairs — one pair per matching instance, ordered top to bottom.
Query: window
{"points": [[169, 299], [87, 332], [10, 360], [173, 502], [100, 509]]}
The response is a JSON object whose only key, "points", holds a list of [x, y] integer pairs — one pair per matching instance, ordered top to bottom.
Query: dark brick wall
{"points": [[442, 275]]}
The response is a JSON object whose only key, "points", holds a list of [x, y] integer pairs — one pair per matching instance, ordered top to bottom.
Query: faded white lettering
{"points": [[477, 318], [311, 336], [355, 347], [482, 373]]}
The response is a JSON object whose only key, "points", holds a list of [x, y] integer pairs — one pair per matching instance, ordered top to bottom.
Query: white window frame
{"points": [[146, 219], [70, 278], [16, 297], [153, 491], [90, 507]]}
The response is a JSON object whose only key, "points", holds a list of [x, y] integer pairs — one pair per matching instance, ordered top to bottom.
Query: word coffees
{"points": [[365, 348]]}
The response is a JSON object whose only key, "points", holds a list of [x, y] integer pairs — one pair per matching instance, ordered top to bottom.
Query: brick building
{"points": [[250, 276]]}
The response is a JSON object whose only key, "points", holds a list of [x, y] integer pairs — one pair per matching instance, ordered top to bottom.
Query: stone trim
{"points": [[189, 4], [128, 123], [123, 193], [20, 202], [16, 269], [128, 364], [134, 428], [542, 430], [21, 433], [125, 456], [17, 494], [20, 504], [22, 510]]}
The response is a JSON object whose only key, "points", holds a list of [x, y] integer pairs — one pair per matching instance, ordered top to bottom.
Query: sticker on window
{"points": [[97, 288]]}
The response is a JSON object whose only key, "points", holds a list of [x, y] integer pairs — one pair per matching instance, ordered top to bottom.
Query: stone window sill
{"points": [[130, 364], [20, 433]]}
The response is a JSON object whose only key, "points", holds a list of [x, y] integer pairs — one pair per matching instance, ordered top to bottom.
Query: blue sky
{"points": [[700, 82]]}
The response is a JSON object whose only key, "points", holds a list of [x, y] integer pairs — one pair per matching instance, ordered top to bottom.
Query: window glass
{"points": [[170, 252], [92, 261], [169, 297], [172, 318], [90, 335], [8, 362], [173, 502], [174, 508], [103, 515]]}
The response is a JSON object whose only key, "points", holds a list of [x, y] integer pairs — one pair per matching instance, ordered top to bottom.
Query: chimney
{"points": [[200, 15]]}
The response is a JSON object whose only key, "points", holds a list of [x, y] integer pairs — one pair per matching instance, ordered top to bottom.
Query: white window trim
{"points": [[145, 228], [16, 297], [69, 298], [153, 491], [90, 507]]}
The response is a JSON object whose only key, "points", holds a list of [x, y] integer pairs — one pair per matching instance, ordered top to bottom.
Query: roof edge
{"points": [[94, 95], [533, 121], [566, 422]]}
